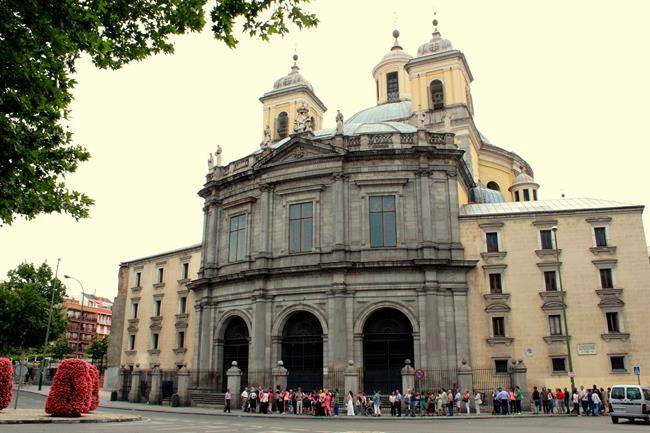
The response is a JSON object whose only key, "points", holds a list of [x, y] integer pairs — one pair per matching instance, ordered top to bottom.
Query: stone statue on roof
{"points": [[303, 121], [339, 122], [266, 141], [218, 155], [210, 162]]}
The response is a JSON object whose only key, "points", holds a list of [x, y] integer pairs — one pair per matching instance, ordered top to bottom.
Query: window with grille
{"points": [[392, 87], [382, 221], [300, 227], [601, 236], [546, 238], [492, 240], [237, 244], [550, 281], [606, 281], [495, 283], [612, 322], [555, 324], [498, 327], [617, 363], [500, 365], [559, 365]]}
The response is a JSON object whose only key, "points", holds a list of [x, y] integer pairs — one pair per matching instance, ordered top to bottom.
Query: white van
{"points": [[629, 401]]}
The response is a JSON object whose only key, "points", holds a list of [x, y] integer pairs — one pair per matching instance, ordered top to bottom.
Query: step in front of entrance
{"points": [[207, 399]]}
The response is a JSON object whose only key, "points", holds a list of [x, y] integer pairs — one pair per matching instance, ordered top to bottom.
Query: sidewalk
{"points": [[192, 410]]}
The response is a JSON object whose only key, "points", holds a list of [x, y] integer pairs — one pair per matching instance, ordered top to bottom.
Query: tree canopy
{"points": [[39, 45], [25, 307]]}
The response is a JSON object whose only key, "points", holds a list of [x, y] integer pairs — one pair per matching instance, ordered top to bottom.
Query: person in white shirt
{"points": [[244, 399], [478, 402], [597, 402]]}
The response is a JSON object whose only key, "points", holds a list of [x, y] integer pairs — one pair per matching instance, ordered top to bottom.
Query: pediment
{"points": [[298, 148], [611, 302], [552, 305], [497, 308]]}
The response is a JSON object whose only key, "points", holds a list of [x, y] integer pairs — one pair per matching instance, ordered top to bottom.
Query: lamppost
{"points": [[83, 293], [563, 300], [49, 323]]}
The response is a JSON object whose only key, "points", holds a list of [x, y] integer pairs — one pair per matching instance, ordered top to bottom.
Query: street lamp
{"points": [[83, 293], [563, 300], [49, 323]]}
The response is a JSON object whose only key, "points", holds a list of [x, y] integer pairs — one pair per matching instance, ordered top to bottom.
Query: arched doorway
{"points": [[387, 342], [235, 348], [302, 351]]}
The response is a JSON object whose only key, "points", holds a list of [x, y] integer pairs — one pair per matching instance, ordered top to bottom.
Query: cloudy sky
{"points": [[563, 84]]}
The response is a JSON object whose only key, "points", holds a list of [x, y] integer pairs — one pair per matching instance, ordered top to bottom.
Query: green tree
{"points": [[40, 42], [25, 307], [60, 349], [97, 351]]}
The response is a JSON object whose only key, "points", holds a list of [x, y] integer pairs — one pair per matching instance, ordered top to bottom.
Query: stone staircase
{"points": [[207, 399]]}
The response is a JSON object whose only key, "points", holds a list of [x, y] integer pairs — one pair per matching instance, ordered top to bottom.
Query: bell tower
{"points": [[391, 79], [290, 93]]}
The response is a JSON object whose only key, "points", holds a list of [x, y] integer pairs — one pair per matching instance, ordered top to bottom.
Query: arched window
{"points": [[437, 94], [282, 125], [493, 185]]}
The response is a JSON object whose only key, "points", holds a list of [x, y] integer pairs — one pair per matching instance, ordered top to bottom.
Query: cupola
{"points": [[391, 79], [291, 93], [524, 188]]}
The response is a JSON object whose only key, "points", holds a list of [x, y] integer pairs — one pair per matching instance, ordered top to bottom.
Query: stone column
{"points": [[425, 206], [339, 211], [206, 235], [213, 236], [337, 312], [461, 323], [257, 357], [205, 373], [519, 375], [465, 377], [279, 378], [352, 378], [408, 378], [234, 383], [120, 385], [183, 389], [155, 391], [134, 393]]}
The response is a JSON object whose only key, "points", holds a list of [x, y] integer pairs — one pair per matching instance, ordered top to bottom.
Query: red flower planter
{"points": [[94, 377], [6, 382], [71, 390]]}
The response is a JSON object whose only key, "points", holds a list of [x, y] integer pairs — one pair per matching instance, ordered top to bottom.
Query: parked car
{"points": [[629, 401]]}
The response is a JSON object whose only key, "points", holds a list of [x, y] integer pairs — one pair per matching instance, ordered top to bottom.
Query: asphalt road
{"points": [[180, 423]]}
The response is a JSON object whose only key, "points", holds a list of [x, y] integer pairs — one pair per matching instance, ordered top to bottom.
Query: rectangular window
{"points": [[392, 87], [535, 194], [516, 195], [526, 195], [382, 221], [300, 227], [601, 236], [546, 238], [492, 240], [237, 247], [186, 271], [161, 275], [138, 279], [550, 281], [606, 281], [495, 283], [182, 304], [156, 307], [134, 310], [612, 322], [555, 324], [498, 327], [181, 339], [154, 341], [132, 342], [617, 363], [500, 365], [559, 365], [633, 392], [618, 393]]}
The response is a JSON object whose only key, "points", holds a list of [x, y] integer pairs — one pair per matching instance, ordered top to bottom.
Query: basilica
{"points": [[398, 236]]}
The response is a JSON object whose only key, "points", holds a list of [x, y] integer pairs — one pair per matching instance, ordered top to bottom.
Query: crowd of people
{"points": [[450, 402]]}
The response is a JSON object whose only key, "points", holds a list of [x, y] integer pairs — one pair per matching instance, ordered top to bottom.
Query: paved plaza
{"points": [[161, 422]]}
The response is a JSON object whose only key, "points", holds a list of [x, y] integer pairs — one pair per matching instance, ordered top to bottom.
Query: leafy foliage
{"points": [[39, 45], [25, 307], [60, 349], [97, 350], [6, 382], [71, 391]]}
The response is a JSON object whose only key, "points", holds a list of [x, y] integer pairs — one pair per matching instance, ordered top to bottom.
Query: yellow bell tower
{"points": [[391, 79], [290, 93]]}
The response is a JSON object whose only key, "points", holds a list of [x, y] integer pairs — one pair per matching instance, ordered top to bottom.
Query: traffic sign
{"points": [[637, 370], [419, 374], [572, 374]]}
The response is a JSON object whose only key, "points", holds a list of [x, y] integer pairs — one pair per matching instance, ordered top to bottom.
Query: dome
{"points": [[436, 45], [396, 54], [292, 79], [393, 111], [350, 129], [523, 178]]}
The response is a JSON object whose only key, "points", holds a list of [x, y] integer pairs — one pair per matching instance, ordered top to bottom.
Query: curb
{"points": [[69, 420]]}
